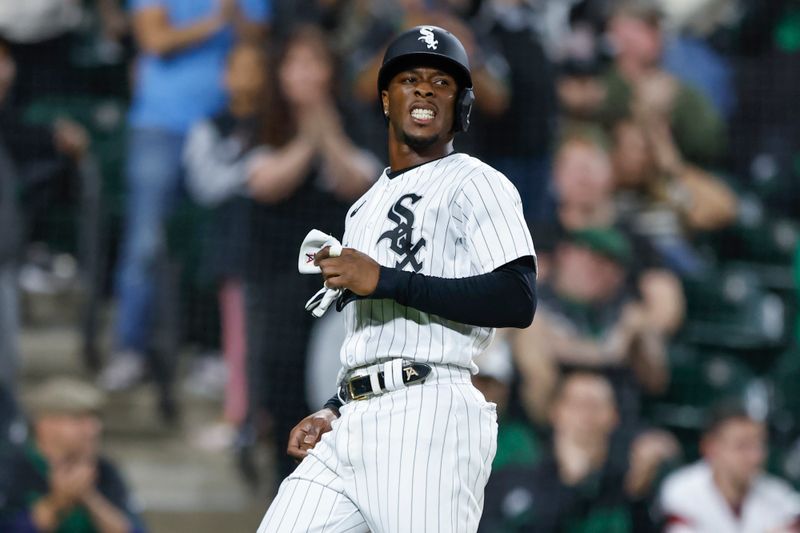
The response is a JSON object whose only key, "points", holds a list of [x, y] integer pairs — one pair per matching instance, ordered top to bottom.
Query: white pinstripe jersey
{"points": [[452, 217]]}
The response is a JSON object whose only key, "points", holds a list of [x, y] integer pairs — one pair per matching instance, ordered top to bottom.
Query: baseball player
{"points": [[436, 254]]}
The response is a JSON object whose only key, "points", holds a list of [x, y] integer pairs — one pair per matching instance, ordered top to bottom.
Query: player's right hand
{"points": [[351, 270], [308, 432]]}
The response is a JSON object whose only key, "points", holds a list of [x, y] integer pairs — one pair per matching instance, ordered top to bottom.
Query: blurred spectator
{"points": [[701, 17], [113, 19], [38, 20], [557, 20], [344, 21], [40, 32], [46, 36], [692, 49], [183, 50], [696, 63], [637, 82], [580, 86], [517, 139], [30, 145], [22, 147], [217, 155], [309, 178], [584, 180], [584, 187], [664, 199], [587, 318], [517, 442], [59, 481], [581, 484], [728, 489]]}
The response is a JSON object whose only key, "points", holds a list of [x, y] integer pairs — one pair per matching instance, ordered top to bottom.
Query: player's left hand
{"points": [[352, 270], [308, 432]]}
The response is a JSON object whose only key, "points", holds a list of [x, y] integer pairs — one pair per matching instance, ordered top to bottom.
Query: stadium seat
{"points": [[757, 237], [731, 310], [700, 377]]}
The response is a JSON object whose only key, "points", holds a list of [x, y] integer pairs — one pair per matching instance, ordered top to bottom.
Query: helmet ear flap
{"points": [[463, 109]]}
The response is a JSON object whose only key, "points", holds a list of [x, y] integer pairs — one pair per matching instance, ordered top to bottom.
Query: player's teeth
{"points": [[423, 114]]}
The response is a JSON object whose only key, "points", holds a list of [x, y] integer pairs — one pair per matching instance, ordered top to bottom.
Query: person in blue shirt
{"points": [[183, 45]]}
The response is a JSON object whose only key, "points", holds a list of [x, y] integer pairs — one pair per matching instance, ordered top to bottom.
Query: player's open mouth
{"points": [[423, 114]]}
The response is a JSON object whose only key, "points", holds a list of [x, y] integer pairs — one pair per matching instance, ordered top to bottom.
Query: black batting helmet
{"points": [[436, 47]]}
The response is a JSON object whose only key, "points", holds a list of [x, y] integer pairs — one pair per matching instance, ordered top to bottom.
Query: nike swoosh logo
{"points": [[354, 211]]}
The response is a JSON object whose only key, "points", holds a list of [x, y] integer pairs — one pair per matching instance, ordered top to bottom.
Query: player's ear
{"points": [[385, 102]]}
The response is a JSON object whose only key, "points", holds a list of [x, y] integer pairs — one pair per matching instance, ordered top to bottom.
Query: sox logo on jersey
{"points": [[400, 236]]}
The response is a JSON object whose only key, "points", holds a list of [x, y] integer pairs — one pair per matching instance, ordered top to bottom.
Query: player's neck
{"points": [[402, 156]]}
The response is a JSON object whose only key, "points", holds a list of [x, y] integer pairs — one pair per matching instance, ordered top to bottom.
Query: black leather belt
{"points": [[360, 387]]}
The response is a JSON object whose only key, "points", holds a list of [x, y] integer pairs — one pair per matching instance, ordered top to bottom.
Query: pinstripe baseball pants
{"points": [[413, 460]]}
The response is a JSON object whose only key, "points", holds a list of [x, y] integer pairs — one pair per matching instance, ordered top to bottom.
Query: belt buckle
{"points": [[353, 395]]}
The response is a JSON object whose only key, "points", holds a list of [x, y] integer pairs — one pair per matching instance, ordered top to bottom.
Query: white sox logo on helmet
{"points": [[429, 37]]}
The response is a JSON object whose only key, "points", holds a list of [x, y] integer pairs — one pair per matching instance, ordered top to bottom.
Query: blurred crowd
{"points": [[168, 156]]}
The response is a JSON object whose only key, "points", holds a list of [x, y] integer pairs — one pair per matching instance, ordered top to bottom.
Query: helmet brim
{"points": [[424, 59]]}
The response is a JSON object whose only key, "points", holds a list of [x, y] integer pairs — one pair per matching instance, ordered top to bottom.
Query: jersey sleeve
{"points": [[489, 210]]}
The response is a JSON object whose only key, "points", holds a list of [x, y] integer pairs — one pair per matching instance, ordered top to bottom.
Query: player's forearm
{"points": [[503, 298]]}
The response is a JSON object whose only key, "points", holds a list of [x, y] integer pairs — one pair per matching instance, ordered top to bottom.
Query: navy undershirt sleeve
{"points": [[503, 298]]}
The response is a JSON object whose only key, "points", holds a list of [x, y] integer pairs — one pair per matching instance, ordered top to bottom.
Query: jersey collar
{"points": [[391, 174]]}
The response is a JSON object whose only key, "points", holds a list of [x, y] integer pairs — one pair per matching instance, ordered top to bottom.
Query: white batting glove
{"points": [[315, 241], [320, 302]]}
